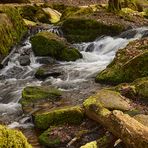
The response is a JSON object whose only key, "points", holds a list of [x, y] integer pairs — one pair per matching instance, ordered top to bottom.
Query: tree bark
{"points": [[114, 5], [130, 131]]}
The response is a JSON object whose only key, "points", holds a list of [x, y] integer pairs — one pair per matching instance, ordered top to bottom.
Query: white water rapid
{"points": [[96, 56]]}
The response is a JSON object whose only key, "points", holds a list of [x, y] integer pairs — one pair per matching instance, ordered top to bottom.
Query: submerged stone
{"points": [[49, 44], [65, 115]]}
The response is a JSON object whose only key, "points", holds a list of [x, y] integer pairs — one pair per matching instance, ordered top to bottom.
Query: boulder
{"points": [[34, 13], [53, 14], [81, 29], [49, 44], [24, 60], [122, 68], [47, 71], [135, 90], [34, 94], [111, 100], [65, 115], [12, 138]]}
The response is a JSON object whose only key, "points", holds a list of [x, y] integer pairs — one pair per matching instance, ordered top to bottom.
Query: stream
{"points": [[78, 76]]}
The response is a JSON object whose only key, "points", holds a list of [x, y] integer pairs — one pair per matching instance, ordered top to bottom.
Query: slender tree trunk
{"points": [[114, 5]]}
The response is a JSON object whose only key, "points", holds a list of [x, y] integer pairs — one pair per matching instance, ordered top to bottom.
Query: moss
{"points": [[14, 1], [34, 13], [12, 29], [85, 30], [49, 44], [123, 68], [142, 89], [32, 94], [108, 99], [67, 115], [12, 138], [44, 139], [92, 144]]}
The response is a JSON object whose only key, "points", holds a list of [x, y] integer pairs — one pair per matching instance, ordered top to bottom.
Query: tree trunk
{"points": [[114, 5], [133, 133]]}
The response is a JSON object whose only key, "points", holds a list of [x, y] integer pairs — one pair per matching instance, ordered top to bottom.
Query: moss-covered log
{"points": [[133, 133]]}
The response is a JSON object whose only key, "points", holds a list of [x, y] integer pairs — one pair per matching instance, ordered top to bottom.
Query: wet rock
{"points": [[128, 34], [145, 34], [49, 44], [90, 47], [24, 60], [46, 60], [122, 68], [46, 71], [34, 94], [111, 100], [65, 115], [142, 119], [12, 138]]}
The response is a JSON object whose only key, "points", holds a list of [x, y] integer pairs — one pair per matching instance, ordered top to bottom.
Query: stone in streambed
{"points": [[49, 44], [24, 60], [47, 71], [34, 94], [110, 100], [65, 115], [12, 138]]}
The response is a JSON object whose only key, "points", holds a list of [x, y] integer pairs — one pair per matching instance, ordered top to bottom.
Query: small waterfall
{"points": [[96, 56]]}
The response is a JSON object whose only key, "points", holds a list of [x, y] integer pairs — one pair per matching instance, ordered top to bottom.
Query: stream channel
{"points": [[77, 80]]}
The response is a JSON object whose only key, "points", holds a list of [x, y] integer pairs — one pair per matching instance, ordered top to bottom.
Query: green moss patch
{"points": [[12, 29], [85, 30], [49, 44], [33, 94], [66, 115], [12, 138]]}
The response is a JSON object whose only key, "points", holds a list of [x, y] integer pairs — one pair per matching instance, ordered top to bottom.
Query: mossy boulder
{"points": [[34, 13], [12, 29], [81, 29], [49, 44], [129, 64], [135, 90], [34, 94], [110, 100], [65, 115], [59, 136], [12, 138]]}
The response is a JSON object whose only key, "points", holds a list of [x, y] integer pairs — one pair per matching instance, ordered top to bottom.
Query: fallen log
{"points": [[130, 131]]}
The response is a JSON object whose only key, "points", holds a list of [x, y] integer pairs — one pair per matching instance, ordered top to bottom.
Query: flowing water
{"points": [[96, 56]]}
